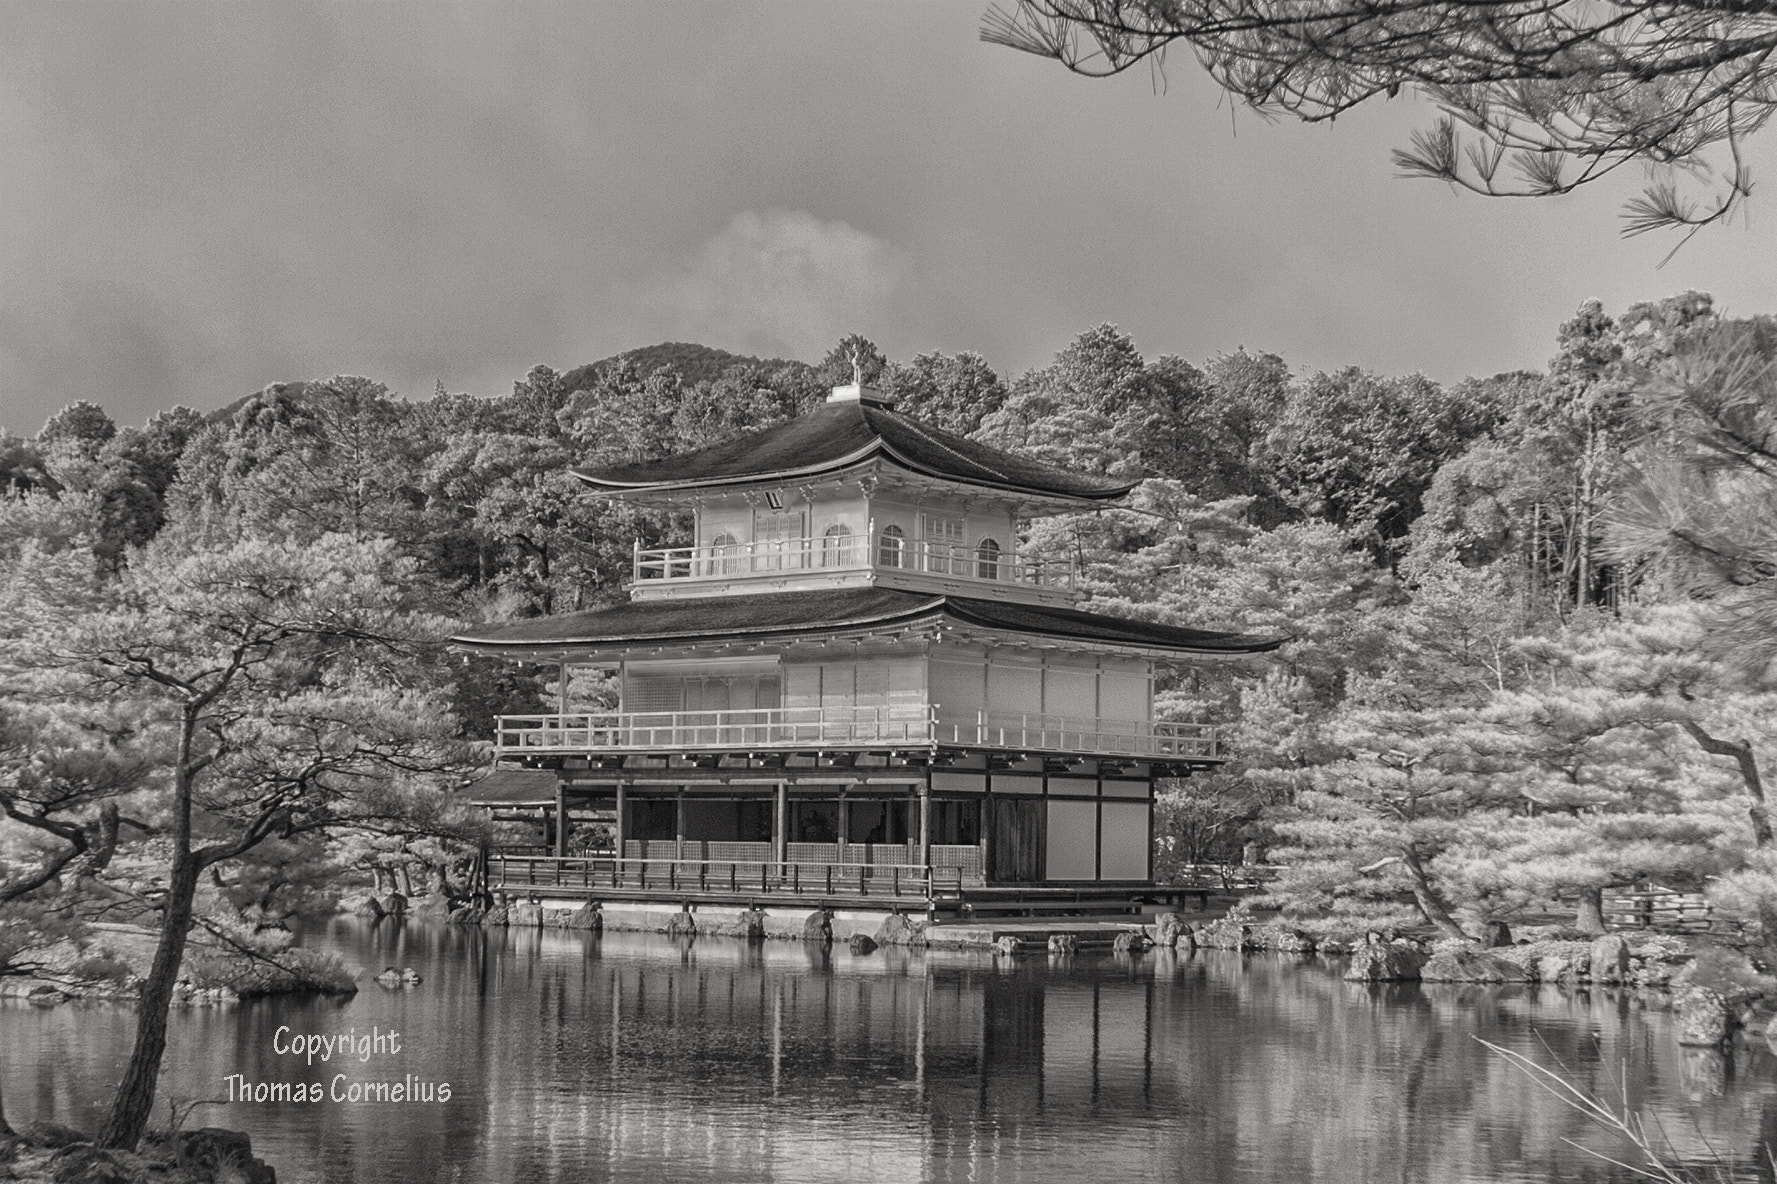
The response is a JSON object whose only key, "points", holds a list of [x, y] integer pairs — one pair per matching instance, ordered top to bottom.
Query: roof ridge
{"points": [[925, 433]]}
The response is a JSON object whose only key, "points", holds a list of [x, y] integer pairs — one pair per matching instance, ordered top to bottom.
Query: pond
{"points": [[633, 1057]]}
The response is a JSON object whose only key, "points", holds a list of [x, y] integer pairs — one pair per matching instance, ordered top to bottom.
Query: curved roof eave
{"points": [[611, 488], [827, 613]]}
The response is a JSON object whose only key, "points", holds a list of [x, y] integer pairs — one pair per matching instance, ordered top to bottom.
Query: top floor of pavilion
{"points": [[853, 494]]}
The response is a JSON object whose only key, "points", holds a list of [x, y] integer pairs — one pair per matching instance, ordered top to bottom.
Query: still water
{"points": [[632, 1057]]}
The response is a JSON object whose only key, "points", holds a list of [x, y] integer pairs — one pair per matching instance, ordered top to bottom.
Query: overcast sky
{"points": [[197, 200]]}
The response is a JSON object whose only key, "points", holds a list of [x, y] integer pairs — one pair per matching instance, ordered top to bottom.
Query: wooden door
{"points": [[1015, 841]]}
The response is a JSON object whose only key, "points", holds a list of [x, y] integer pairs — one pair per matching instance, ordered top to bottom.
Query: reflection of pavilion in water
{"points": [[961, 1049]]}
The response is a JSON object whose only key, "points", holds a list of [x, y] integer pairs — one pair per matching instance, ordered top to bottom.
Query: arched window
{"points": [[836, 547], [893, 547], [725, 554], [987, 560]]}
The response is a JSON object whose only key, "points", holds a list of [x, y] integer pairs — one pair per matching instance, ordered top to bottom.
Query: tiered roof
{"points": [[839, 436], [792, 616]]}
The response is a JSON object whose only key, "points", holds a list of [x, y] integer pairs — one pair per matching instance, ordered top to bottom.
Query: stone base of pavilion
{"points": [[1030, 923]]}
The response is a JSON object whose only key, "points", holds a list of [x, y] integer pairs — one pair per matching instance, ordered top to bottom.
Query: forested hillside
{"points": [[1530, 613]]}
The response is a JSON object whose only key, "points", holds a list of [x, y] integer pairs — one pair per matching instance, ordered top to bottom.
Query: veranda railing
{"points": [[848, 552]]}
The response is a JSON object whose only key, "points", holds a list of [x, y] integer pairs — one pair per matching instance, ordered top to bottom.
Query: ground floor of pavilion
{"points": [[1069, 826]]}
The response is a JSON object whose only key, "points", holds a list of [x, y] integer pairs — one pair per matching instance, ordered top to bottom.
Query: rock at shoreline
{"points": [[395, 904], [363, 906], [525, 912], [588, 916], [497, 917], [681, 925], [818, 926], [1167, 927], [898, 929], [1227, 933], [1130, 941], [1290, 941], [862, 943], [1063, 943], [1007, 945], [1609, 958], [1380, 961], [1703, 1016], [213, 1153]]}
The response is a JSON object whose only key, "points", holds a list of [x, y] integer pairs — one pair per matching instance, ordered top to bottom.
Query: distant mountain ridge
{"points": [[695, 363]]}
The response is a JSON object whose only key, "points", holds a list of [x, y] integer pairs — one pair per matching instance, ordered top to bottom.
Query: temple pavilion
{"points": [[850, 686]]}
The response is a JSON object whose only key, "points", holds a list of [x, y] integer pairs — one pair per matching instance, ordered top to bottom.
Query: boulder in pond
{"points": [[363, 906], [587, 916], [681, 924], [818, 926], [1167, 927], [898, 929], [1227, 933], [1130, 941], [1290, 941], [862, 943], [1063, 943], [1007, 945], [1609, 957], [1378, 961], [1703, 1016], [213, 1153]]}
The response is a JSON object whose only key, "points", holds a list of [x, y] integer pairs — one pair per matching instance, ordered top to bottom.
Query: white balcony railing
{"points": [[848, 552], [911, 725]]}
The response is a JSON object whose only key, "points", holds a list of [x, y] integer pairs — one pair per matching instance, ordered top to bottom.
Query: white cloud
{"points": [[781, 282]]}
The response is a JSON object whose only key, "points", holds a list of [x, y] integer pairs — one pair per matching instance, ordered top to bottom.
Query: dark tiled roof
{"points": [[836, 435], [790, 614], [1071, 622]]}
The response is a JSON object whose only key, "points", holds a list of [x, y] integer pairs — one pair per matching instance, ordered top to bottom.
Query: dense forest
{"points": [[1530, 615]]}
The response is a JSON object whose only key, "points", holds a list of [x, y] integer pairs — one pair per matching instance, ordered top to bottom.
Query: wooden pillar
{"points": [[561, 689], [986, 801], [561, 819], [925, 823], [679, 824], [844, 824], [780, 825], [618, 829]]}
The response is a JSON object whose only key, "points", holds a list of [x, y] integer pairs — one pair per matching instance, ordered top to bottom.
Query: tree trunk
{"points": [[1583, 527], [1757, 810], [1758, 813], [403, 881], [1430, 904], [1589, 917], [134, 1101], [7, 1134]]}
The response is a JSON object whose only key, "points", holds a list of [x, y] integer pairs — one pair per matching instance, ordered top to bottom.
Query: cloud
{"points": [[781, 282]]}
